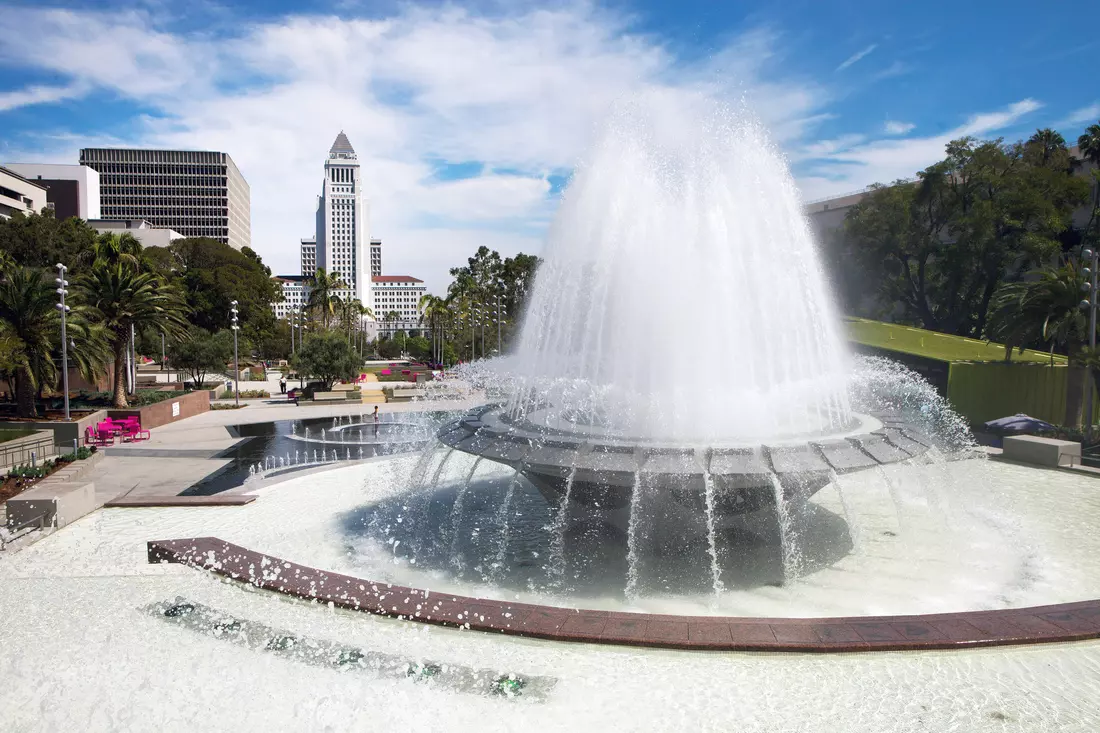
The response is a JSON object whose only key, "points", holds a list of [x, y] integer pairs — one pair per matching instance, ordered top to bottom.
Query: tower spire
{"points": [[342, 147]]}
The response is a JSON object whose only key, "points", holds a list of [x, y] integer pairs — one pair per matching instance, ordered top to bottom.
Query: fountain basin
{"points": [[600, 470]]}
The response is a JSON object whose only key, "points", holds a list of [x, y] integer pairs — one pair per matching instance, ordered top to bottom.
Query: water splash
{"points": [[849, 515], [456, 516], [557, 530], [632, 539], [712, 540], [788, 549]]}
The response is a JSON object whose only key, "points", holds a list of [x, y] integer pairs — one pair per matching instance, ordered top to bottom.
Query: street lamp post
{"points": [[61, 283], [1090, 288], [236, 366]]}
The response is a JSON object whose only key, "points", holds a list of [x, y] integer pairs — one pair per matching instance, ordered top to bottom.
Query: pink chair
{"points": [[132, 432], [98, 437]]}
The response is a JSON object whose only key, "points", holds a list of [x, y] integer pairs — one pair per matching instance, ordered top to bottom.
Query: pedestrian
{"points": [[282, 385], [376, 413]]}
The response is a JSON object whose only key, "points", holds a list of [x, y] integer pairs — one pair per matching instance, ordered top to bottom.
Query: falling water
{"points": [[691, 201], [360, 452], [895, 496], [456, 515], [849, 515], [502, 519], [786, 531], [632, 538], [712, 541], [557, 549]]}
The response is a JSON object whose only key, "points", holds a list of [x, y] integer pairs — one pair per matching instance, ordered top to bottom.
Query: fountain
{"points": [[682, 229]]}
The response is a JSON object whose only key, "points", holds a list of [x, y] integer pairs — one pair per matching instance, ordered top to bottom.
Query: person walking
{"points": [[282, 385]]}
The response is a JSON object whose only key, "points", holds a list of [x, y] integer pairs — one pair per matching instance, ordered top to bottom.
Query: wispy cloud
{"points": [[856, 57], [898, 68], [39, 95], [1084, 116], [893, 127], [886, 160]]}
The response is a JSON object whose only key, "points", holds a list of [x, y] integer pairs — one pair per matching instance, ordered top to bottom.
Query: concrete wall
{"points": [[168, 411], [63, 432]]}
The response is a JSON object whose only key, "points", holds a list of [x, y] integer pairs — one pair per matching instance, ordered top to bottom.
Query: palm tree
{"points": [[1089, 145], [114, 249], [322, 294], [121, 299], [1046, 308], [432, 309], [351, 312], [30, 329]]}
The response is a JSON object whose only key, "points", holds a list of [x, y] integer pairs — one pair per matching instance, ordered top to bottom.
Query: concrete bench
{"points": [[328, 397], [1041, 451], [56, 503]]}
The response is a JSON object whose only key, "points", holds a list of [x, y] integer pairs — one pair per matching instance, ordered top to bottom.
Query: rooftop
{"points": [[341, 147], [291, 278], [395, 279], [934, 345]]}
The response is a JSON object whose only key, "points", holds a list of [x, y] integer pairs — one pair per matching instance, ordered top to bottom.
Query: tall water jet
{"points": [[683, 227]]}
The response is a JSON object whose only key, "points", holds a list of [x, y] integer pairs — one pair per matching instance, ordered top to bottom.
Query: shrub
{"points": [[246, 394]]}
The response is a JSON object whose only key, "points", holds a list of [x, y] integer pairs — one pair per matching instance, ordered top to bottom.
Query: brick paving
{"points": [[967, 629]]}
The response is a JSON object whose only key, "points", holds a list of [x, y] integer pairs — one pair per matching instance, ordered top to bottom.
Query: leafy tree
{"points": [[1089, 145], [41, 240], [938, 249], [212, 274], [488, 280], [121, 298], [389, 348], [200, 353], [328, 357]]}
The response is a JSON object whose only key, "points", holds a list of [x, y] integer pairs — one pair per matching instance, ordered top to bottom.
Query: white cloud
{"points": [[856, 57], [519, 92], [38, 95], [1088, 115], [893, 127], [886, 160]]}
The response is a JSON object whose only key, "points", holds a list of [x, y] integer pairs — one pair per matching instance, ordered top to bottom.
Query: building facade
{"points": [[71, 190], [196, 193], [18, 194], [343, 222], [143, 231], [309, 257], [375, 257], [295, 295], [397, 302]]}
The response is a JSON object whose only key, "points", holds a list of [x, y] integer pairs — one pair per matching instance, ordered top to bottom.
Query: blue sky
{"points": [[469, 117]]}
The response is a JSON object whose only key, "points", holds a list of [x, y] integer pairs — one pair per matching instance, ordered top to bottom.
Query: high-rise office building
{"points": [[196, 193], [343, 222], [375, 257]]}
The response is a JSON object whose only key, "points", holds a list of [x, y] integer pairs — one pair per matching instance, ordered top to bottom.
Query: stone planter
{"points": [[169, 411]]}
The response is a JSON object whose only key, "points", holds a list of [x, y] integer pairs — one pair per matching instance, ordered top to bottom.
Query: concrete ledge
{"points": [[328, 397], [1041, 451], [155, 501], [56, 503], [1038, 624]]}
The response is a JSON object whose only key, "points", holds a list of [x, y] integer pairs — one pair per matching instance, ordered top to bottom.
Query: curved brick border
{"points": [[1038, 624]]}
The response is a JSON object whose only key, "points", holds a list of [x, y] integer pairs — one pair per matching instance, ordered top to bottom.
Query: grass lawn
{"points": [[934, 345]]}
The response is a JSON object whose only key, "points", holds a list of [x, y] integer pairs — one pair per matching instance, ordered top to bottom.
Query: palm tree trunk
{"points": [[120, 383], [24, 394]]}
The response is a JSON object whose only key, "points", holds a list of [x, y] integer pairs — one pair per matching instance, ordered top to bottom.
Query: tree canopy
{"points": [[328, 357]]}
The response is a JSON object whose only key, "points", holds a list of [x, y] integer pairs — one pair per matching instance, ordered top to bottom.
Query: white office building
{"points": [[71, 190], [17, 194], [343, 223], [309, 257], [295, 295], [397, 302]]}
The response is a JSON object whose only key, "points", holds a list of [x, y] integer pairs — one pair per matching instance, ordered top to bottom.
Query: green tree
{"points": [[1089, 145], [41, 240], [111, 248], [938, 249], [212, 274], [122, 299], [323, 300], [1046, 308], [30, 328], [201, 352], [328, 357]]}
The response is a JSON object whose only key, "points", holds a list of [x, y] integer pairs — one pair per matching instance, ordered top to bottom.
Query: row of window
{"points": [[133, 155], [129, 169]]}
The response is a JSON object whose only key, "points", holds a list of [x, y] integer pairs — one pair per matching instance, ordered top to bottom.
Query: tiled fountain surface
{"points": [[1037, 624]]}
